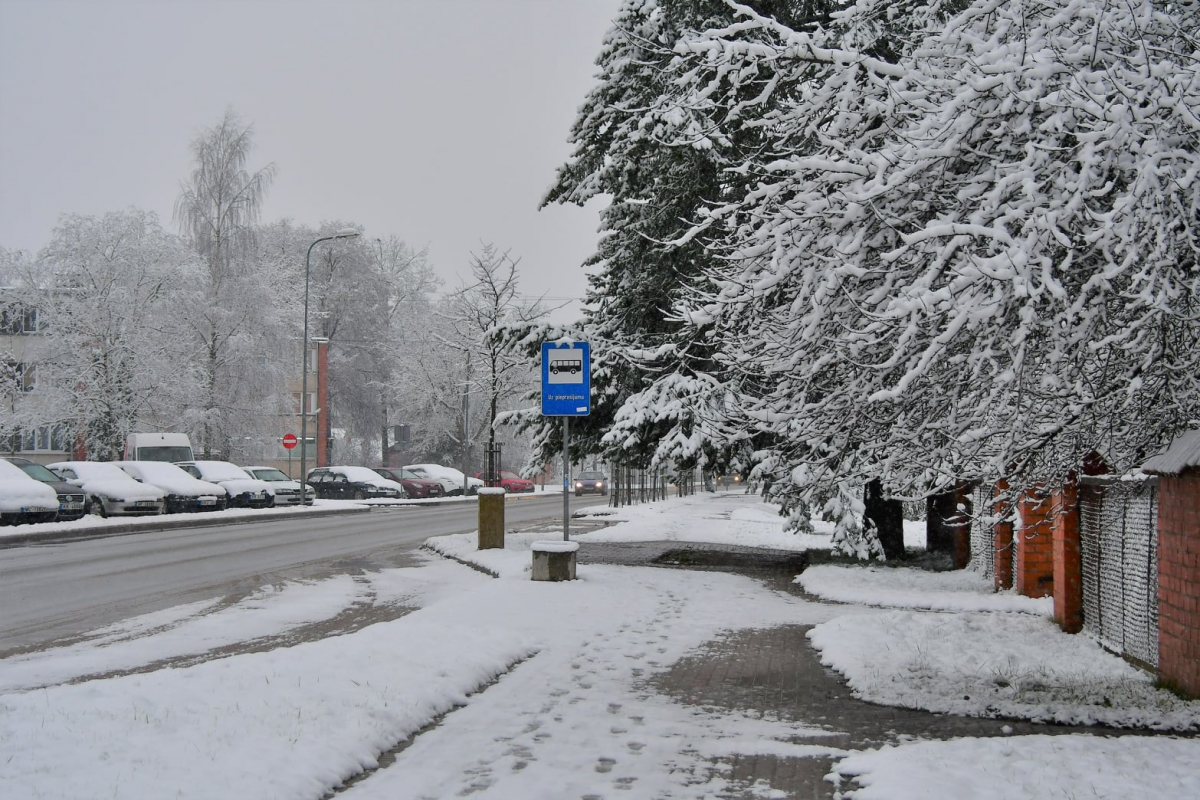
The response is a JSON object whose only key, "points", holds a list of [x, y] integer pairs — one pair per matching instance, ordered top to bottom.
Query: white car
{"points": [[450, 478], [109, 490], [244, 491], [287, 491], [184, 493], [23, 499]]}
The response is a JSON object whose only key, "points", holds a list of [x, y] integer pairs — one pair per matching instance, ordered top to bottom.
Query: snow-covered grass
{"points": [[732, 517], [898, 587], [995, 664], [569, 715], [1065, 767]]}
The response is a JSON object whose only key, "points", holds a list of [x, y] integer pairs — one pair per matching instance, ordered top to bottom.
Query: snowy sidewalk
{"points": [[633, 681]]}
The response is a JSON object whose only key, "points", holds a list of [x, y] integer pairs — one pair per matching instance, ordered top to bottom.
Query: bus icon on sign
{"points": [[573, 367]]}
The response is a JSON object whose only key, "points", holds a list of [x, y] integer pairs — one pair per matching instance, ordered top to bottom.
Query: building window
{"points": [[17, 319], [26, 375], [312, 403], [44, 439]]}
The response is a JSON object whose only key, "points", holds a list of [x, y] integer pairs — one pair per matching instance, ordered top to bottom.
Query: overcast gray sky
{"points": [[439, 121]]}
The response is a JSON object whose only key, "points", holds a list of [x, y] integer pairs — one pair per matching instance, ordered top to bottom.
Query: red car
{"points": [[510, 481], [414, 485]]}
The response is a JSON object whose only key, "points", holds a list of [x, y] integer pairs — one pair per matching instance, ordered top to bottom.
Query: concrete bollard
{"points": [[491, 519], [554, 561]]}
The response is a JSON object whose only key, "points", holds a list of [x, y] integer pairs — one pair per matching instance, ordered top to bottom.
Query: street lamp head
{"points": [[347, 233]]}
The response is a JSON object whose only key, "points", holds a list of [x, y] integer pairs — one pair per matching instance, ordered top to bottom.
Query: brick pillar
{"points": [[323, 432], [1002, 541], [1034, 543], [1068, 558], [1179, 580]]}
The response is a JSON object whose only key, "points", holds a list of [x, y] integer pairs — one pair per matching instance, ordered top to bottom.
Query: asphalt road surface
{"points": [[50, 592]]}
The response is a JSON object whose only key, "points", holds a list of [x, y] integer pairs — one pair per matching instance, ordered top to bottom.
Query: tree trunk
{"points": [[887, 517]]}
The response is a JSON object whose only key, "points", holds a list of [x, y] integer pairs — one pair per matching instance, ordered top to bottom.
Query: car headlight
{"points": [[599, 484], [578, 485]]}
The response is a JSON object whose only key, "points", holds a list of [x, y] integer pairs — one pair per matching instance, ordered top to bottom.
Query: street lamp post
{"points": [[345, 233]]}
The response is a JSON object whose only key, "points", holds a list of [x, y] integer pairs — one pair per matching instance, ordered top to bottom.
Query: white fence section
{"points": [[1118, 531], [983, 548]]}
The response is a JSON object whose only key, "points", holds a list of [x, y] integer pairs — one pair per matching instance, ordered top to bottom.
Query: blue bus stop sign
{"points": [[566, 379]]}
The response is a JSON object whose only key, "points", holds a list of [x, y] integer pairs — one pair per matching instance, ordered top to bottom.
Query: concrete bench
{"points": [[554, 561]]}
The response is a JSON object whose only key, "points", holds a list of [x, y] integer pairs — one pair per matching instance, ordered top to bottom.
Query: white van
{"points": [[158, 447]]}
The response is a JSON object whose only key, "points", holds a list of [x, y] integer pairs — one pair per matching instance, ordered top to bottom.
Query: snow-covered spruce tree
{"points": [[656, 163], [972, 247], [109, 289], [234, 311]]}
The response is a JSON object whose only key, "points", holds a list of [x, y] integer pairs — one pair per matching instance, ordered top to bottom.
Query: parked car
{"points": [[450, 478], [511, 481], [352, 483], [591, 483], [414, 485], [108, 490], [244, 491], [287, 491], [184, 492], [70, 498], [23, 499]]}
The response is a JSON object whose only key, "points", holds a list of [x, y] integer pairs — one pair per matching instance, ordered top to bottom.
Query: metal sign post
{"points": [[566, 393], [566, 481]]}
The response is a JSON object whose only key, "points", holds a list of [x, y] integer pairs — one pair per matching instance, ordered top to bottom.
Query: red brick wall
{"points": [[323, 432], [1035, 556], [1067, 558], [1179, 580]]}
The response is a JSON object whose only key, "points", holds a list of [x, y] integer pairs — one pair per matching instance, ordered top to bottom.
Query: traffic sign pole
{"points": [[289, 441], [566, 481]]}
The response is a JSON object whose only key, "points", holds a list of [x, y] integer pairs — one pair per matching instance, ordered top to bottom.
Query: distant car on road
{"points": [[510, 481], [352, 483], [591, 483], [414, 485], [109, 490], [244, 491], [287, 491], [184, 492], [23, 499], [71, 503]]}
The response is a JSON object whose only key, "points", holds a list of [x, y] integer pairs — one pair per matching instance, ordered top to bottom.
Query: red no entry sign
{"points": [[290, 440]]}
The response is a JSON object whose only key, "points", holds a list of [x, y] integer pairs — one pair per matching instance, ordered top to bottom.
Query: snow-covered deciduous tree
{"points": [[964, 244], [234, 311], [372, 311], [114, 351], [471, 372]]}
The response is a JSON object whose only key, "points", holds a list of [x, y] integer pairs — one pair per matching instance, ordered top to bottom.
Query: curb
{"points": [[99, 532]]}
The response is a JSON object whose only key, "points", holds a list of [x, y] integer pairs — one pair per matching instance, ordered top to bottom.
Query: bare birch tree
{"points": [[217, 211]]}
